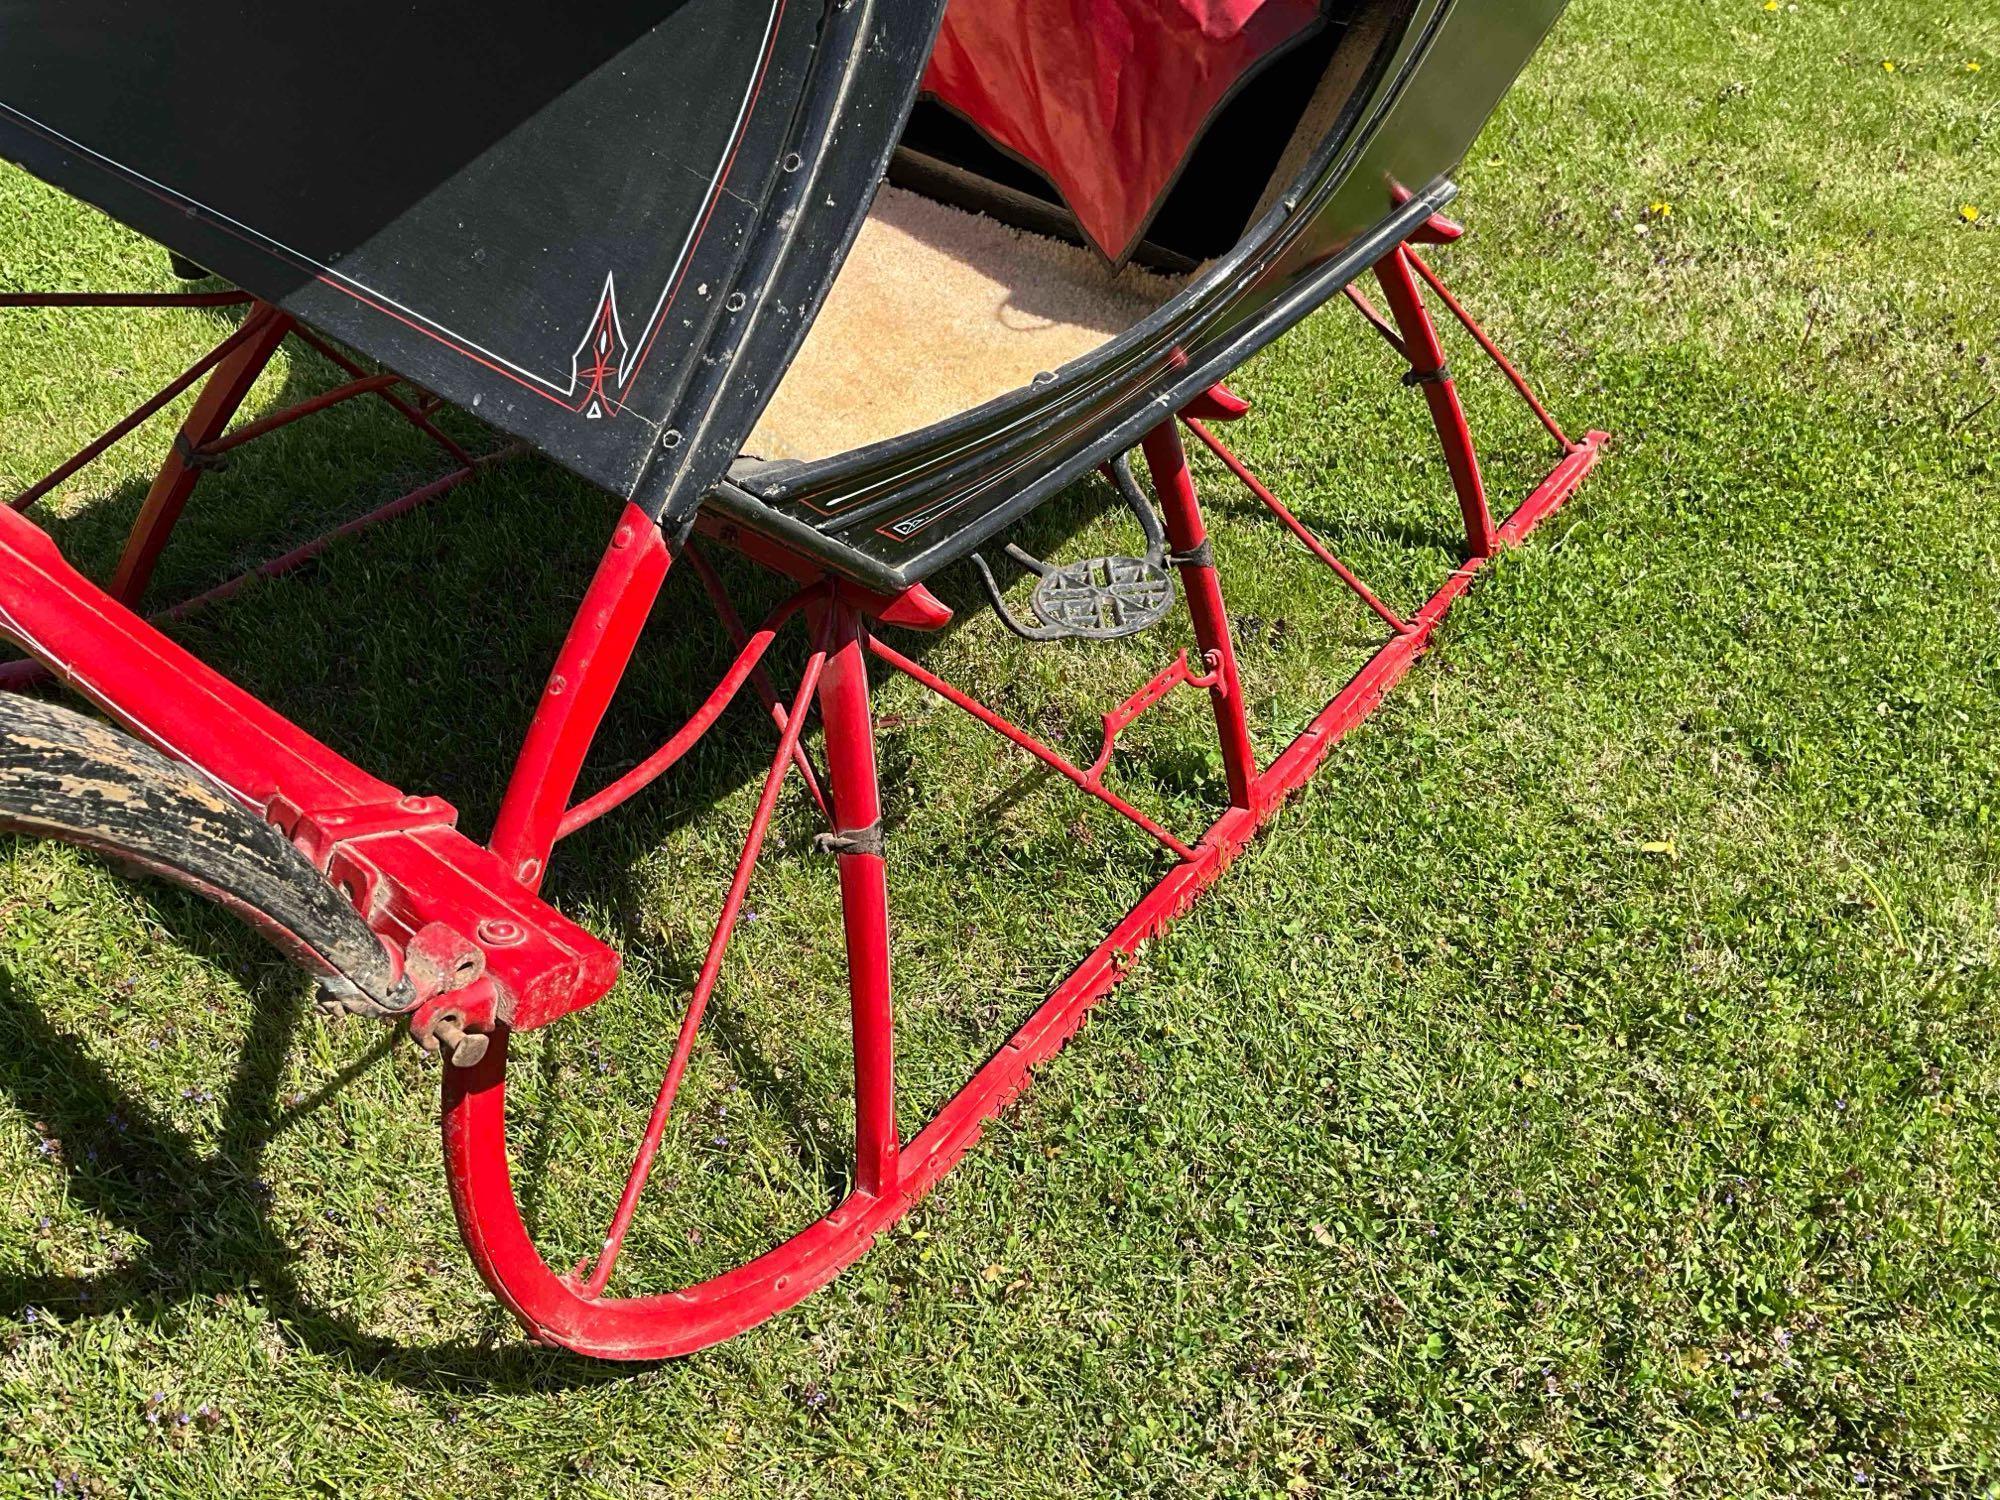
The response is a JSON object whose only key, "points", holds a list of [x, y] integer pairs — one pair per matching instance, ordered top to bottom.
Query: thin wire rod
{"points": [[125, 299], [1375, 319], [1506, 366], [139, 414], [417, 419], [251, 431], [1297, 527], [299, 556], [732, 623], [753, 646], [15, 675], [1014, 733], [704, 986]]}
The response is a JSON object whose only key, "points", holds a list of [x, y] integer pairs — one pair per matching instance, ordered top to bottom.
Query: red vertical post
{"points": [[1429, 370], [213, 411], [1173, 482], [579, 690], [864, 898]]}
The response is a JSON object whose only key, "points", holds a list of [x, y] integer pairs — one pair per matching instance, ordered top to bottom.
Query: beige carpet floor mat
{"points": [[937, 310]]}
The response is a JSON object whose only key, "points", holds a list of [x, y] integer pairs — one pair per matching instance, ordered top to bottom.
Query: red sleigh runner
{"points": [[405, 916]]}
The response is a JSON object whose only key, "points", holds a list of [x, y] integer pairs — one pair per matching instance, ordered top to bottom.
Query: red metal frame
{"points": [[232, 367], [578, 692], [430, 891]]}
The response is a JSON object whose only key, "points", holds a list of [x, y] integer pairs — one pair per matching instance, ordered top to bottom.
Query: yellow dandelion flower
{"points": [[1770, 4], [1971, 65], [1887, 66], [1969, 212]]}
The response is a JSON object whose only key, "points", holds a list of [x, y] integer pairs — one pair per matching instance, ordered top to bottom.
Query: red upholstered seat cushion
{"points": [[1104, 97]]}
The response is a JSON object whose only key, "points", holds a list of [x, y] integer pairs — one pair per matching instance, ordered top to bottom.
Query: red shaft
{"points": [[1428, 369], [213, 410], [1173, 481], [578, 692], [864, 901], [704, 985]]}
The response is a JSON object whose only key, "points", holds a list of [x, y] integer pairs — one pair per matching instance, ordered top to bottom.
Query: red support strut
{"points": [[1429, 370], [213, 411], [1173, 481], [578, 692], [864, 898]]}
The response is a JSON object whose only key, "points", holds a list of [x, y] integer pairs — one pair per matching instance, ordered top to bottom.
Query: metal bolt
{"points": [[498, 932], [461, 1048]]}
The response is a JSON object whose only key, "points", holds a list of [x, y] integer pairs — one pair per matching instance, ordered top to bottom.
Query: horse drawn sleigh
{"points": [[756, 268]]}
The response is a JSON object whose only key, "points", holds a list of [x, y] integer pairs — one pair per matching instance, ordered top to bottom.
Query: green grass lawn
{"points": [[1588, 1086]]}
